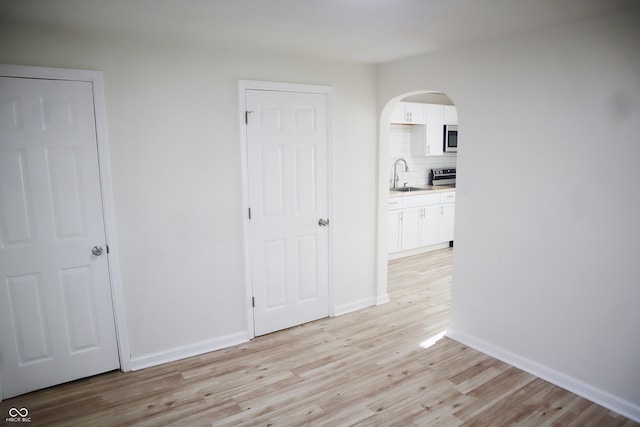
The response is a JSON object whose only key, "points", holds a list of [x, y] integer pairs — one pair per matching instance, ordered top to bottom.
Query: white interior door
{"points": [[287, 144], [56, 314]]}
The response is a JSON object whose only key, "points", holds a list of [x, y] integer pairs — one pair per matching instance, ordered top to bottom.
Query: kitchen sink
{"points": [[406, 189]]}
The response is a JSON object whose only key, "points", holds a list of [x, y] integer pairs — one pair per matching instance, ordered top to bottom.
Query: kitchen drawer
{"points": [[449, 197], [422, 200], [395, 203]]}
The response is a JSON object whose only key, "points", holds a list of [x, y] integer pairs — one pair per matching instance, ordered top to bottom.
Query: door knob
{"points": [[323, 222], [97, 250]]}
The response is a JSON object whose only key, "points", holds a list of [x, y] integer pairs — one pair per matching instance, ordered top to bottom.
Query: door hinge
{"points": [[246, 117], [249, 213], [107, 248], [253, 302]]}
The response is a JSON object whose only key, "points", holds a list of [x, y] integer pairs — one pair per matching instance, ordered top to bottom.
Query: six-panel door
{"points": [[287, 144], [56, 314]]}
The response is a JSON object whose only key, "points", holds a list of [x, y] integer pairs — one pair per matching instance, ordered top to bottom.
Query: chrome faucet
{"points": [[395, 173]]}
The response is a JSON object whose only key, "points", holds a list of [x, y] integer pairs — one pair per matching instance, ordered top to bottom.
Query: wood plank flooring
{"points": [[366, 368]]}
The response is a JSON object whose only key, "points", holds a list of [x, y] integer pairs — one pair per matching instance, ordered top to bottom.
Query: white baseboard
{"points": [[417, 251], [382, 299], [360, 304], [355, 306], [184, 351], [574, 385]]}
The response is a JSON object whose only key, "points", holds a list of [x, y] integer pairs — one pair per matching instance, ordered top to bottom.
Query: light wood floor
{"points": [[367, 368]]}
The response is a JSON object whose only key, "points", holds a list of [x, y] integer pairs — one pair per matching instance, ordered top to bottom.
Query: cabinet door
{"points": [[416, 112], [409, 113], [398, 114], [450, 115], [428, 140], [445, 227], [410, 228], [395, 230], [428, 234]]}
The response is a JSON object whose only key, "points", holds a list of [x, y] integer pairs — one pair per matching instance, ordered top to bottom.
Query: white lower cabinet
{"points": [[447, 214], [419, 221], [395, 225], [419, 227], [410, 228], [445, 230], [428, 234]]}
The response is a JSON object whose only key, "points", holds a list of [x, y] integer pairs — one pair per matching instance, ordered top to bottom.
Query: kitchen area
{"points": [[422, 175]]}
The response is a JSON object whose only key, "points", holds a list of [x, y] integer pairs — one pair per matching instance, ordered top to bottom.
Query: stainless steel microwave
{"points": [[450, 138]]}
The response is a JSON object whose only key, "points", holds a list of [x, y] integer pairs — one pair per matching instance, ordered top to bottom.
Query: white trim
{"points": [[25, 71], [96, 79], [243, 86], [244, 170], [108, 203], [382, 249], [418, 251], [382, 299], [357, 305], [190, 350], [595, 394]]}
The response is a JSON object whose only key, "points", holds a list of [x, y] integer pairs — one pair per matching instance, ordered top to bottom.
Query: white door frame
{"points": [[97, 84], [243, 86]]}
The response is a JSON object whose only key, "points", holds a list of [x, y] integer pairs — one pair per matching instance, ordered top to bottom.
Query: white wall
{"points": [[175, 152], [547, 261]]}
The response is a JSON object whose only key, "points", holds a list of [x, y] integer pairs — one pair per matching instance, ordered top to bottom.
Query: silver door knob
{"points": [[323, 222], [97, 250]]}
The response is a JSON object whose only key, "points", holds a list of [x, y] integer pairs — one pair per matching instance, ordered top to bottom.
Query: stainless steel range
{"points": [[443, 177]]}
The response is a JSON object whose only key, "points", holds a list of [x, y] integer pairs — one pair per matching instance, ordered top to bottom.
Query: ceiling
{"points": [[366, 31]]}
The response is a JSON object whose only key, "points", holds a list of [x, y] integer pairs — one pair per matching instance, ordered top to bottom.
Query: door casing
{"points": [[97, 83], [243, 86]]}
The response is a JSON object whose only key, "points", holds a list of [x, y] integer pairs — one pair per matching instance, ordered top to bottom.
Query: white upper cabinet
{"points": [[417, 112], [409, 113], [450, 115], [428, 139]]}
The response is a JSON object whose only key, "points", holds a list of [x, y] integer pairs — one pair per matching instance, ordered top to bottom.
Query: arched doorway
{"points": [[389, 151]]}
